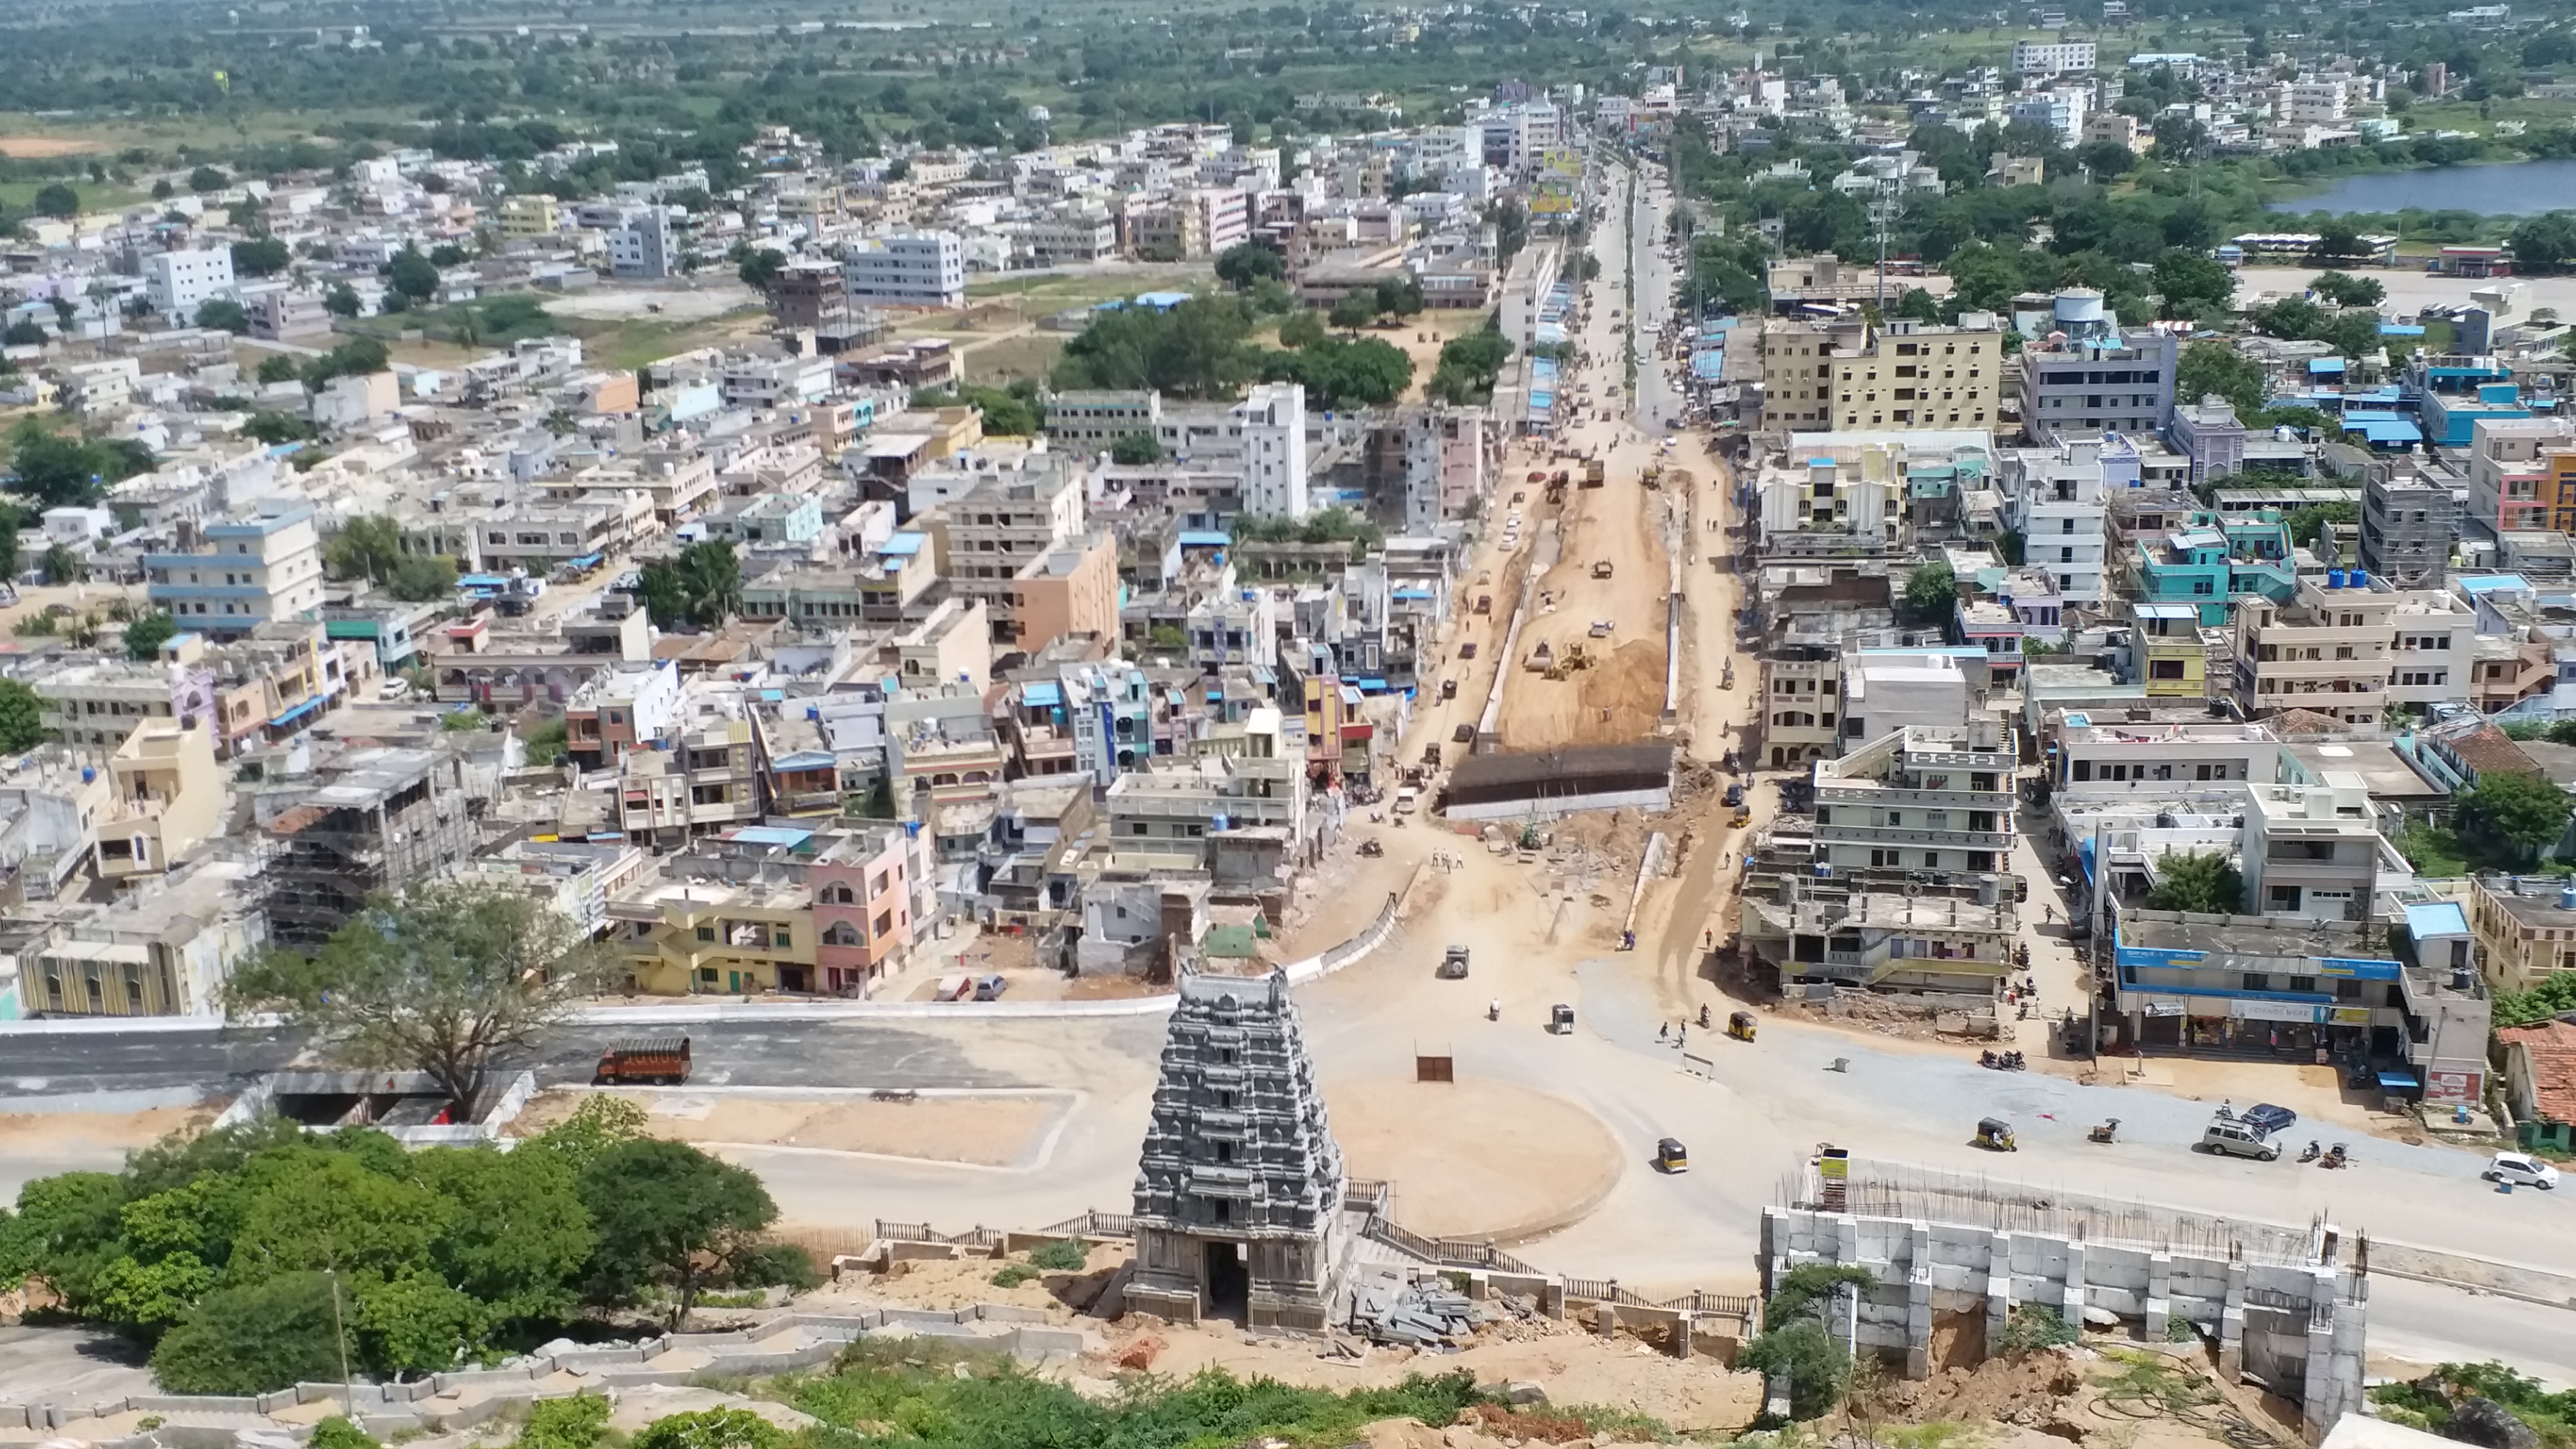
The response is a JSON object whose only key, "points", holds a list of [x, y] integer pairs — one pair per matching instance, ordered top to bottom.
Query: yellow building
{"points": [[525, 217], [2172, 661], [169, 797], [2525, 929], [686, 938]]}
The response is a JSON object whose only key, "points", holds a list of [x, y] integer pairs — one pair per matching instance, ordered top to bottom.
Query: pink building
{"points": [[862, 908]]}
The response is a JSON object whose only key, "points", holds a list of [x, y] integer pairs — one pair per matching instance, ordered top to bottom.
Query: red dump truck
{"points": [[658, 1060]]}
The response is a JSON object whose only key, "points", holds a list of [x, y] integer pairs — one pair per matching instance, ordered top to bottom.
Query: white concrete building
{"points": [[2053, 57], [639, 248], [907, 269], [179, 282], [1272, 420], [2053, 499]]}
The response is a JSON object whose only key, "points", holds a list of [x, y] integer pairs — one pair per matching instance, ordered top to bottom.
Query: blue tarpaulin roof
{"points": [[1161, 301], [2325, 365], [1204, 538], [904, 543], [1043, 692], [298, 712], [770, 835], [2398, 1081]]}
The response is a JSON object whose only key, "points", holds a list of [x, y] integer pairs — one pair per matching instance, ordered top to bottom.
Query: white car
{"points": [[2521, 1170]]}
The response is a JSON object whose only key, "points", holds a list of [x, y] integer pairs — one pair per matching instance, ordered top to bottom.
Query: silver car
{"points": [[2236, 1139]]}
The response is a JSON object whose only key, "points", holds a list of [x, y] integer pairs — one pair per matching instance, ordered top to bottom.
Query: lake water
{"points": [[2518, 188]]}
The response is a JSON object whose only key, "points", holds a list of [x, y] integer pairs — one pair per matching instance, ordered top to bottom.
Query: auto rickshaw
{"points": [[1560, 1018], [1740, 1026], [1996, 1135], [1671, 1156]]}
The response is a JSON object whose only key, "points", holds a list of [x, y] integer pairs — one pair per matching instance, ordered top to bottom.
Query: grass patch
{"points": [[17, 196], [1012, 1275], [911, 1392], [2551, 1416]]}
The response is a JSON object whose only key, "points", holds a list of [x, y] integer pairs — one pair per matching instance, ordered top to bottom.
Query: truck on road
{"points": [[659, 1060]]}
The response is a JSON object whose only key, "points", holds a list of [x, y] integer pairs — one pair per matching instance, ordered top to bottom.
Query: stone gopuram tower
{"points": [[1239, 1193]]}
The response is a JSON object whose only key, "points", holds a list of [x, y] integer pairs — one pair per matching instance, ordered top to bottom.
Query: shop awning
{"points": [[297, 713], [2398, 1081]]}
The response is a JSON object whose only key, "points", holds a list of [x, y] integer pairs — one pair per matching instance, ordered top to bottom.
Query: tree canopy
{"points": [[53, 469], [701, 587], [1931, 594], [2515, 814], [2194, 880], [441, 979], [258, 1256]]}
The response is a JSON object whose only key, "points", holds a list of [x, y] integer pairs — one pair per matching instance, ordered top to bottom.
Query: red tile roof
{"points": [[2552, 1045]]}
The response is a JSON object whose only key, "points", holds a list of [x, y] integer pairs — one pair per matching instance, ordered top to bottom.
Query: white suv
{"points": [[2521, 1171]]}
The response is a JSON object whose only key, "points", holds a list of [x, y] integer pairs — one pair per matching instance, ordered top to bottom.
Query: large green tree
{"points": [[2218, 369], [368, 546], [701, 587], [1931, 594], [22, 725], [2516, 815], [441, 979], [670, 1216]]}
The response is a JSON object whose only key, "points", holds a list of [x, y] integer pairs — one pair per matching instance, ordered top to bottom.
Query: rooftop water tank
{"points": [[2079, 304], [2334, 578], [2358, 578], [2567, 898]]}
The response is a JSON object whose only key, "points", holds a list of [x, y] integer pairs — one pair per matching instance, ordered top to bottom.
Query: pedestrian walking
{"points": [[1663, 1031]]}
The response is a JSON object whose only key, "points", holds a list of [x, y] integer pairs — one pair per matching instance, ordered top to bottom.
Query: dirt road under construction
{"points": [[1602, 606]]}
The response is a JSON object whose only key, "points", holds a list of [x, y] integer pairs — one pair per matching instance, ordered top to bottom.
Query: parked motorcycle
{"points": [[2311, 1152]]}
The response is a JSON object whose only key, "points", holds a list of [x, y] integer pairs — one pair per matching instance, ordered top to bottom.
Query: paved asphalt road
{"points": [[730, 1053]]}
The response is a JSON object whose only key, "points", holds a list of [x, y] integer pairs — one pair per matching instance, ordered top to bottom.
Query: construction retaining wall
{"points": [[2296, 1328]]}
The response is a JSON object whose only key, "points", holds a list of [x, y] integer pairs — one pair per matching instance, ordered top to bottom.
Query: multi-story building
{"points": [[2053, 57], [528, 216], [640, 246], [907, 269], [180, 281], [810, 292], [286, 314], [2086, 376], [1846, 377], [1271, 424], [2207, 432], [2522, 475], [2053, 499], [1003, 522], [2408, 524], [2213, 562], [244, 572], [1070, 589], [2329, 650], [2173, 661], [2122, 760], [1249, 776], [707, 779], [1920, 797], [168, 798], [368, 822], [2525, 928], [166, 951]]}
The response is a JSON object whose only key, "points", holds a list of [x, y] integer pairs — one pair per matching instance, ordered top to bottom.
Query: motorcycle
{"points": [[1703, 1018], [2108, 1131], [2311, 1152]]}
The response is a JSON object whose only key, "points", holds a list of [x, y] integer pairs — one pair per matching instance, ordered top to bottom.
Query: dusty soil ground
{"points": [[34, 147], [676, 303], [989, 1131], [45, 1134], [1475, 1158], [968, 1281], [1575, 1367]]}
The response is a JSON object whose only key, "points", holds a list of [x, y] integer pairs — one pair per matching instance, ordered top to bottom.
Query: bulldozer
{"points": [[1572, 659]]}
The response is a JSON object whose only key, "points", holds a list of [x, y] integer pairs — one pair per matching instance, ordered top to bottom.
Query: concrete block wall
{"points": [[2308, 1323]]}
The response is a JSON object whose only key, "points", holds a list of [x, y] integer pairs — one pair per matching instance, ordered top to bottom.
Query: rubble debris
{"points": [[1422, 1314]]}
